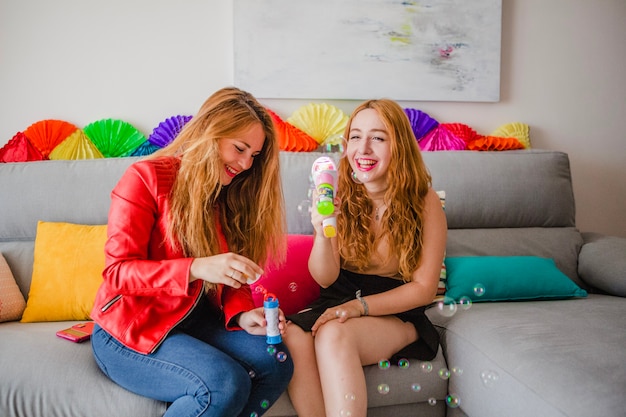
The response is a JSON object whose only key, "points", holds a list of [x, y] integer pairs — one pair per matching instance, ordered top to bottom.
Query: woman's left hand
{"points": [[342, 313], [254, 322]]}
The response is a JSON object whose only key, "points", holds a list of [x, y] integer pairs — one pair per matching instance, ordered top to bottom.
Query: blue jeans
{"points": [[201, 368]]}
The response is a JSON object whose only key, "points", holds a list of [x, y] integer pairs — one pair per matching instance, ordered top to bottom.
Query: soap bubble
{"points": [[304, 208], [293, 286], [479, 289], [465, 302], [446, 307], [271, 349], [281, 356], [403, 363], [384, 364], [426, 366], [457, 371], [444, 373], [251, 374], [489, 378], [415, 387], [383, 389], [350, 397], [432, 401], [453, 401], [265, 404], [345, 413], [254, 414]]}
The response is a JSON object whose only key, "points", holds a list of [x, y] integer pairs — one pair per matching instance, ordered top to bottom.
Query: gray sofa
{"points": [[516, 358]]}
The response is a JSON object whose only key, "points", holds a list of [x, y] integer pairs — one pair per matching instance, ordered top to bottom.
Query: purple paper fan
{"points": [[421, 122], [167, 130], [441, 139]]}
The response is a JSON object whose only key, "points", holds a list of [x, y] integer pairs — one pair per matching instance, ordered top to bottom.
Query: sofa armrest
{"points": [[602, 263]]}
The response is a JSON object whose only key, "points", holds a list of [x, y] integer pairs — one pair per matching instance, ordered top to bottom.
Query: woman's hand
{"points": [[316, 218], [226, 268], [342, 313], [254, 322]]}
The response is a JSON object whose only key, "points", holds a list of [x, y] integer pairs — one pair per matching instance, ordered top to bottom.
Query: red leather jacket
{"points": [[146, 290]]}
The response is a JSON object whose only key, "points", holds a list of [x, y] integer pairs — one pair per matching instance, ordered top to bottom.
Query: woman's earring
{"points": [[355, 178]]}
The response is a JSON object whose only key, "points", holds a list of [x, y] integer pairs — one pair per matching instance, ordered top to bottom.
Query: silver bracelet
{"points": [[366, 310]]}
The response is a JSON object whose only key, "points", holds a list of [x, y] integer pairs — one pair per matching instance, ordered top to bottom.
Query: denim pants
{"points": [[201, 368]]}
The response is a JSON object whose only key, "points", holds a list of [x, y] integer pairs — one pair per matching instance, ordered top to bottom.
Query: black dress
{"points": [[344, 289]]}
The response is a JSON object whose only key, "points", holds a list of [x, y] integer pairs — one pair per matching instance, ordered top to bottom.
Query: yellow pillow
{"points": [[67, 271]]}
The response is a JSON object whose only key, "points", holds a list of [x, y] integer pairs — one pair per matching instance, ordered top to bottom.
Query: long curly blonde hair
{"points": [[408, 182], [251, 208]]}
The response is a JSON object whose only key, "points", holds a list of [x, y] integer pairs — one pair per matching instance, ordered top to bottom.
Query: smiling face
{"points": [[369, 148], [238, 152]]}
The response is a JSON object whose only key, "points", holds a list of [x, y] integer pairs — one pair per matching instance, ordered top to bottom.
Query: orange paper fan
{"points": [[47, 134], [290, 138], [494, 143]]}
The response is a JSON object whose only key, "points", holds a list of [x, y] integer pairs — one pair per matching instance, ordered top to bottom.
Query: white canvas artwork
{"points": [[438, 50]]}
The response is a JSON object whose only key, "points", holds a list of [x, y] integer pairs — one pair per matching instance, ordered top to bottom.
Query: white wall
{"points": [[142, 61]]}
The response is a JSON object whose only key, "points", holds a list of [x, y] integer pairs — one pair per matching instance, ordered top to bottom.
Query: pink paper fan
{"points": [[421, 122], [167, 130], [441, 139], [19, 149]]}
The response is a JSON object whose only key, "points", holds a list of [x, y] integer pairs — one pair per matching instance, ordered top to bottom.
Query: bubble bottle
{"points": [[324, 174], [270, 307]]}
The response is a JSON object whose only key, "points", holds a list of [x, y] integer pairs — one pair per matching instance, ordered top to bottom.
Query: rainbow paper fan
{"points": [[320, 121], [421, 122], [167, 130], [517, 130], [47, 134], [114, 138], [290, 138], [442, 139], [76, 146], [19, 149]]}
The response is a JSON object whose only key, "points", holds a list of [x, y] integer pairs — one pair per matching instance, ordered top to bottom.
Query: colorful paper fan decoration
{"points": [[322, 121], [421, 122], [167, 130], [517, 130], [462, 131], [47, 134], [114, 138], [290, 138], [442, 139], [494, 143], [76, 146], [146, 148], [19, 149]]}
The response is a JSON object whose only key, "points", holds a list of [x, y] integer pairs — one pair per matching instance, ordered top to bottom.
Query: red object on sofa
{"points": [[290, 282]]}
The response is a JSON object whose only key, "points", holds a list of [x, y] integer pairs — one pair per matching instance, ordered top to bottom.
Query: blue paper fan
{"points": [[167, 130], [146, 148]]}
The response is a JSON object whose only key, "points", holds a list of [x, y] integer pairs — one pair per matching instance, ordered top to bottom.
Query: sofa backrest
{"points": [[484, 190]]}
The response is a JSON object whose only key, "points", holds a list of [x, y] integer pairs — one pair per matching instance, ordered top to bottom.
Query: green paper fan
{"points": [[114, 138], [76, 146]]}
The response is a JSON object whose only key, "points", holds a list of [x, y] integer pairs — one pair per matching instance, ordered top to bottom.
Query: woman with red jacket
{"points": [[189, 227]]}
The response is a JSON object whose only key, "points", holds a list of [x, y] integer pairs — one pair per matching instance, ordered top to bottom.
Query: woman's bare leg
{"points": [[305, 390]]}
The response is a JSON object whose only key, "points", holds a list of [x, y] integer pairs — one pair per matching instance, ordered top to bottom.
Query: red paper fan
{"points": [[462, 131], [47, 134], [290, 138], [442, 139], [494, 143], [19, 149]]}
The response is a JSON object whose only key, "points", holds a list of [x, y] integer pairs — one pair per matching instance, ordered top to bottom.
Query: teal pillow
{"points": [[504, 278]]}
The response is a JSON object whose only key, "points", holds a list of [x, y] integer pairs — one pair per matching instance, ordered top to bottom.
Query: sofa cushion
{"points": [[601, 263], [67, 271], [502, 278], [12, 301]]}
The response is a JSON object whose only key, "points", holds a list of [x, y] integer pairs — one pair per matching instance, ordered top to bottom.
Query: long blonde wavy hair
{"points": [[408, 182], [251, 208]]}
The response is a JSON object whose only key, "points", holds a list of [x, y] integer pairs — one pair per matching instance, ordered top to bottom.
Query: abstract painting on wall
{"points": [[437, 50]]}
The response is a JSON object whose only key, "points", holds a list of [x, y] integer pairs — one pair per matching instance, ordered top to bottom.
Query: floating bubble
{"points": [[304, 208], [293, 286], [259, 289], [479, 289], [465, 302], [446, 307], [271, 349], [281, 356], [403, 363], [384, 364], [426, 366], [457, 371], [444, 373], [251, 374], [489, 378], [415, 387], [383, 389], [350, 397], [432, 401], [453, 401], [265, 404], [345, 413], [254, 414]]}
